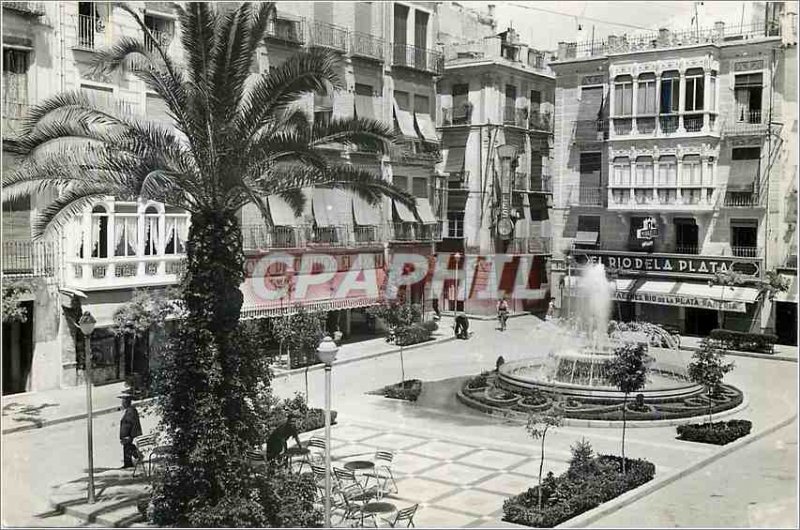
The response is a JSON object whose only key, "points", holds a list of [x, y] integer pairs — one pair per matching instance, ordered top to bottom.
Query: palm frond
{"points": [[366, 134]]}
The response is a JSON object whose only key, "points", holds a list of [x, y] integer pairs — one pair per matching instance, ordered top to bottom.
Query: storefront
{"points": [[785, 309]]}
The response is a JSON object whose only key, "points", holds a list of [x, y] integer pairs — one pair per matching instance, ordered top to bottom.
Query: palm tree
{"points": [[237, 138]]}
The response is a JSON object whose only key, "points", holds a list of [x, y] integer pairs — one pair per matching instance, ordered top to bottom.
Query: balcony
{"points": [[35, 9], [286, 30], [91, 32], [327, 35], [163, 38], [367, 46], [420, 59], [456, 115], [13, 117], [540, 121], [693, 122], [668, 123], [748, 123], [646, 125], [623, 126], [590, 131], [587, 196], [662, 199], [741, 199], [415, 232], [261, 237], [264, 238], [529, 245], [686, 249], [746, 252], [29, 258], [127, 272]]}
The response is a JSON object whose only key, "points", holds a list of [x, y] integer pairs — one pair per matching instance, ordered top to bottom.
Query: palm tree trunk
{"points": [[624, 424]]}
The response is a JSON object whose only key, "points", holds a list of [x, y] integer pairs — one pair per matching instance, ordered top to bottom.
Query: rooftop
{"points": [[503, 48]]}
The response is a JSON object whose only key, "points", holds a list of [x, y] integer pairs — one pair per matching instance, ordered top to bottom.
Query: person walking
{"points": [[502, 312], [129, 429]]}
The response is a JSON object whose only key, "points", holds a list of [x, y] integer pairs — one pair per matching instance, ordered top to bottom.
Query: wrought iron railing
{"points": [[286, 30], [91, 32], [327, 35], [163, 38], [366, 45], [418, 58], [456, 115], [540, 121], [693, 122], [668, 123], [623, 126], [590, 130], [588, 195], [741, 199], [529, 245], [686, 249], [746, 252], [29, 258]]}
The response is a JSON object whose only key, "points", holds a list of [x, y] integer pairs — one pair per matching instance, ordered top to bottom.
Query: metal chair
{"points": [[144, 444], [316, 447], [383, 462], [406, 515]]}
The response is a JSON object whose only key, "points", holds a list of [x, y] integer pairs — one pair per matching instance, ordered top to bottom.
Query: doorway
{"points": [[686, 236], [700, 322], [786, 323], [18, 352]]}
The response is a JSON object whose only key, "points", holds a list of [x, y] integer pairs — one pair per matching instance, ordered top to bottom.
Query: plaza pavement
{"points": [[459, 464]]}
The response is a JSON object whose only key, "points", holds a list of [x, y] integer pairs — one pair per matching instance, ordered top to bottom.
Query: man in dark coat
{"points": [[462, 326], [129, 429], [276, 444]]}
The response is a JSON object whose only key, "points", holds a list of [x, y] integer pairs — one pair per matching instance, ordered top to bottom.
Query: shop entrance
{"points": [[624, 311], [700, 322], [786, 323], [18, 352]]}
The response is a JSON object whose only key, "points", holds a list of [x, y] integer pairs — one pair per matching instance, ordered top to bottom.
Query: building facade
{"points": [[388, 66], [496, 127], [674, 164]]}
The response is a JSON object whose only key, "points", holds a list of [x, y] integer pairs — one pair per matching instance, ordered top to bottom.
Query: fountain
{"points": [[575, 372]]}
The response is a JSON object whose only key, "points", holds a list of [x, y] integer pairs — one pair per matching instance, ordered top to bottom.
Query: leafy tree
{"points": [[237, 138], [728, 280], [13, 310], [146, 311], [396, 313], [301, 332], [708, 368], [627, 370], [538, 425]]}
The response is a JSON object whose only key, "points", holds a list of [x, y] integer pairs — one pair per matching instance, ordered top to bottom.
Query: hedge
{"points": [[413, 334], [736, 340], [407, 390], [718, 433], [581, 488]]}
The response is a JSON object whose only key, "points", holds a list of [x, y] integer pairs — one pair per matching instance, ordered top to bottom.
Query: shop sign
{"points": [[671, 264], [681, 300]]}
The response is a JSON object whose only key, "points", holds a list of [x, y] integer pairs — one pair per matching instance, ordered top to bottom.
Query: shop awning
{"points": [[405, 121], [426, 127], [455, 160], [331, 207], [281, 212], [425, 212], [364, 213], [404, 213], [586, 238], [691, 294], [790, 295]]}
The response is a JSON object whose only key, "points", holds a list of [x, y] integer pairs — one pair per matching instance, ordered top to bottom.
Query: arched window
{"points": [[622, 171], [151, 219], [126, 230], [99, 232]]}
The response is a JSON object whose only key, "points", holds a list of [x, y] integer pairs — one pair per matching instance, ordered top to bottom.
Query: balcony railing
{"points": [[26, 8], [286, 30], [91, 32], [327, 35], [163, 38], [365, 45], [418, 58], [456, 115], [13, 116], [540, 121], [693, 122], [746, 123], [668, 124], [623, 126], [590, 131], [587, 195], [741, 199], [406, 232], [264, 237], [529, 245], [686, 249], [746, 252], [29, 258], [136, 271]]}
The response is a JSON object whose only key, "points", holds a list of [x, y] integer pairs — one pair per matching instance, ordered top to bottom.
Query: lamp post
{"points": [[86, 324], [326, 352]]}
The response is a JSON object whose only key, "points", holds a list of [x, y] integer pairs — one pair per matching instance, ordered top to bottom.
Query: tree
{"points": [[237, 139], [728, 280], [13, 310], [146, 311], [301, 332], [708, 368], [627, 370], [538, 425]]}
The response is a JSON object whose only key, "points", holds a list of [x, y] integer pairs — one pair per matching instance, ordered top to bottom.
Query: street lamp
{"points": [[86, 325], [326, 352]]}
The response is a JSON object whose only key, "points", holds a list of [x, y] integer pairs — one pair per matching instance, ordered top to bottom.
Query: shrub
{"points": [[396, 313], [430, 325], [413, 334], [735, 340], [479, 381], [407, 390], [307, 419], [717, 433], [583, 487]]}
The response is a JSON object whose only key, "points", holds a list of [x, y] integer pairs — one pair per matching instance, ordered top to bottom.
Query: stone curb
{"points": [[489, 317], [753, 355], [106, 410], [585, 519]]}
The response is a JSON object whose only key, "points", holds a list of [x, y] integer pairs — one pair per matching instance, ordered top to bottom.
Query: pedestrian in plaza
{"points": [[435, 303], [551, 310], [502, 312], [462, 326], [129, 428], [277, 441]]}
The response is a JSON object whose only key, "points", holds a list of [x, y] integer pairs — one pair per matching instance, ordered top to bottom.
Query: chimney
{"points": [[719, 30], [663, 36]]}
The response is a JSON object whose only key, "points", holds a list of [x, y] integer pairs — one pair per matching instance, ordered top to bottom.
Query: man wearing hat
{"points": [[129, 429], [276, 444]]}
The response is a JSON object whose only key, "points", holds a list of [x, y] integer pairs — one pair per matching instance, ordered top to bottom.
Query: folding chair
{"points": [[144, 444], [316, 447], [383, 462], [406, 515]]}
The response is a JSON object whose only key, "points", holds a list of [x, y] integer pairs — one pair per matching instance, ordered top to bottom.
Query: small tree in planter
{"points": [[302, 332], [708, 368], [627, 371], [538, 425]]}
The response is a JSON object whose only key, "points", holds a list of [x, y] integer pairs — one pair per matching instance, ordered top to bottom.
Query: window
{"points": [[400, 25], [420, 29], [162, 30], [15, 88], [748, 89], [694, 90], [712, 92], [670, 93], [646, 95], [100, 96], [623, 96], [403, 100], [536, 100], [364, 102], [422, 104], [510, 104], [323, 108], [157, 110], [746, 153], [590, 168], [622, 171], [644, 171], [668, 171], [691, 172], [400, 181], [419, 187], [151, 218], [455, 224], [126, 231], [99, 232], [176, 234], [686, 236], [744, 237]]}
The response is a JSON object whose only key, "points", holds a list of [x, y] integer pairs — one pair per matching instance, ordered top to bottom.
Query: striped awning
{"points": [[405, 121], [426, 127], [331, 207], [425, 211], [281, 212], [364, 213], [404, 213]]}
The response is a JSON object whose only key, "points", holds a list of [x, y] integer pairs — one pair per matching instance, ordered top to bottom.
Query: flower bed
{"points": [[407, 390], [717, 433], [583, 486]]}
